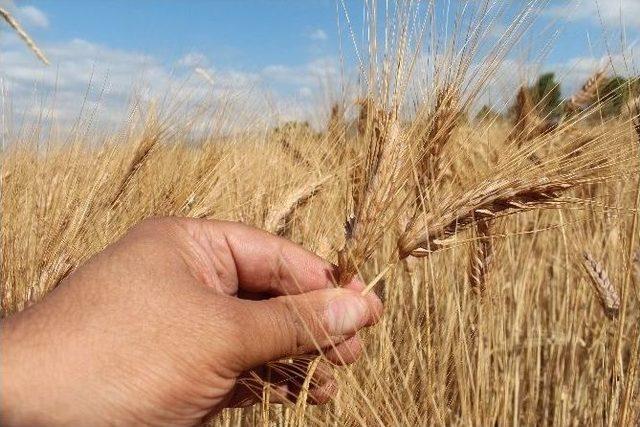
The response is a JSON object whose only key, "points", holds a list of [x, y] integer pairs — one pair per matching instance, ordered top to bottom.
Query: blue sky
{"points": [[243, 34], [253, 34], [287, 47]]}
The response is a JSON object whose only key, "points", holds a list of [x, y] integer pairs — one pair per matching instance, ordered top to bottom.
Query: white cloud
{"points": [[609, 12], [31, 15], [318, 35], [193, 59], [575, 71], [312, 73], [84, 75], [305, 92]]}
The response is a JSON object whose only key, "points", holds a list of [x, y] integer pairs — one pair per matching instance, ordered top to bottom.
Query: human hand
{"points": [[161, 327]]}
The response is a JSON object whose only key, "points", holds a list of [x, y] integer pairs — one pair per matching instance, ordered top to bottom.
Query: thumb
{"points": [[291, 325]]}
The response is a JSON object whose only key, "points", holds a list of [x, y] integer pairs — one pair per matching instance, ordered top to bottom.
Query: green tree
{"points": [[547, 95], [615, 95], [544, 96]]}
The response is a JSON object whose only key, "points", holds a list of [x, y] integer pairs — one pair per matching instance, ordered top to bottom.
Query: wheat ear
{"points": [[13, 23], [205, 75], [587, 93], [636, 116], [442, 123], [527, 124], [336, 127], [369, 132], [143, 150], [291, 150], [382, 178], [492, 199], [279, 220], [481, 257], [604, 289]]}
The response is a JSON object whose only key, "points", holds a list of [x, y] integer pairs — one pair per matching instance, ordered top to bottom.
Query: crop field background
{"points": [[504, 242]]}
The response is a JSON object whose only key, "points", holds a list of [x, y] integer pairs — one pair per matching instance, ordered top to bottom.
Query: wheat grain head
{"points": [[601, 284]]}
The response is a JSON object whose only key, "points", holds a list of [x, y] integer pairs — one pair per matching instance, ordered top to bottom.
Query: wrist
{"points": [[22, 378]]}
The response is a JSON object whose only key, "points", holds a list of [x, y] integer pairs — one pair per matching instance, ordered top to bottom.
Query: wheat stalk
{"points": [[13, 23], [279, 219], [636, 265], [605, 291]]}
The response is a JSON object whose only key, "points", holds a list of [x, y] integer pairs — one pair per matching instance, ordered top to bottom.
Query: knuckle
{"points": [[156, 222], [159, 227], [288, 321]]}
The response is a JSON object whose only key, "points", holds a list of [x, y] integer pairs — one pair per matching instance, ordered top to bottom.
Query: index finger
{"points": [[265, 263]]}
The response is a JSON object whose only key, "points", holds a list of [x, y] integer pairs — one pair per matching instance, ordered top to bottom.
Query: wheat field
{"points": [[506, 249]]}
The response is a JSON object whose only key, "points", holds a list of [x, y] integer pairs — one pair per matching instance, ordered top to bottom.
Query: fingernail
{"points": [[356, 283], [376, 303], [346, 314]]}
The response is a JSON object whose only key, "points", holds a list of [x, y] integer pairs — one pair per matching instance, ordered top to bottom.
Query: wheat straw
{"points": [[13, 23], [636, 266]]}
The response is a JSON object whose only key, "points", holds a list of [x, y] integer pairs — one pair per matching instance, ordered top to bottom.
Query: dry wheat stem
{"points": [[13, 23], [636, 119], [636, 266], [605, 291]]}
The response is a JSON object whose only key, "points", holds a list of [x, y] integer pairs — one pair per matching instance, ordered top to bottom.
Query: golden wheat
{"points": [[588, 93], [279, 219], [481, 258], [604, 289], [535, 355]]}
